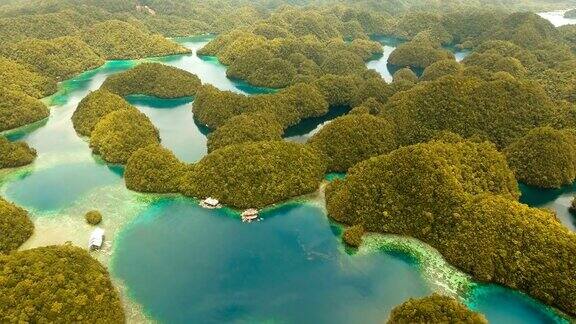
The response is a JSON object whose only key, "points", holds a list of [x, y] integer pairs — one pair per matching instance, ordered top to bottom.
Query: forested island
{"points": [[435, 155]]}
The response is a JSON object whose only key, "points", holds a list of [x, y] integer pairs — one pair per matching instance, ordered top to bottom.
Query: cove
{"points": [[556, 199], [186, 264]]}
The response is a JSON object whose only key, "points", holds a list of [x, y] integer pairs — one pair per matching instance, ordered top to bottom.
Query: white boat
{"points": [[210, 203], [249, 215], [96, 239]]}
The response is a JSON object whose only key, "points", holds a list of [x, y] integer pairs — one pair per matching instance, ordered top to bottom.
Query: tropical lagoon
{"points": [[175, 262]]}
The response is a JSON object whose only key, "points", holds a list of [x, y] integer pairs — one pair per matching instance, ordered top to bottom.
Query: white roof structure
{"points": [[211, 201], [96, 239]]}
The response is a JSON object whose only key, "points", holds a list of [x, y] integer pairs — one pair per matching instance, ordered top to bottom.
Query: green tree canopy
{"points": [[115, 40], [419, 53], [59, 58], [442, 68], [405, 75], [19, 77], [153, 79], [94, 107], [18, 109], [500, 110], [252, 127], [121, 133], [350, 139], [16, 154], [544, 157], [154, 169], [256, 174], [425, 181], [15, 226], [57, 284], [434, 309]]}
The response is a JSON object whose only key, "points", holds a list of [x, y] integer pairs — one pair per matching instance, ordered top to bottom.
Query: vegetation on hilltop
{"points": [[570, 14], [115, 40], [295, 45], [420, 52], [58, 58], [442, 68], [405, 75], [19, 77], [153, 79], [95, 106], [214, 107], [18, 109], [500, 110], [252, 127], [121, 133], [350, 139], [14, 155], [544, 157], [154, 169], [256, 174], [425, 180], [460, 198], [15, 226], [57, 284], [434, 309]]}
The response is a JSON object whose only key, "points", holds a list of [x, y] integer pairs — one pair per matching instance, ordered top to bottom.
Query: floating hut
{"points": [[210, 203], [249, 215], [96, 239]]}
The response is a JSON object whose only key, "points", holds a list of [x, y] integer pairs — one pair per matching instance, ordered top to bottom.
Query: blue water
{"points": [[192, 265]]}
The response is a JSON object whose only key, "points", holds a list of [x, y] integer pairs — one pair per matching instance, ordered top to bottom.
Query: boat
{"points": [[210, 203], [249, 215], [96, 239]]}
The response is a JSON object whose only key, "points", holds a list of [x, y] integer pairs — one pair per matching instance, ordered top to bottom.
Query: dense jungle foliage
{"points": [[117, 40], [294, 45], [419, 52], [58, 58], [442, 68], [19, 77], [153, 79], [95, 106], [214, 107], [18, 109], [500, 110], [251, 127], [121, 133], [351, 139], [16, 154], [544, 157], [154, 169], [254, 175], [461, 199], [15, 226], [57, 284], [434, 309]]}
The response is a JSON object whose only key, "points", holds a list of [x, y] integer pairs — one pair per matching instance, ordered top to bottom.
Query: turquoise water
{"points": [[186, 264], [193, 265]]}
